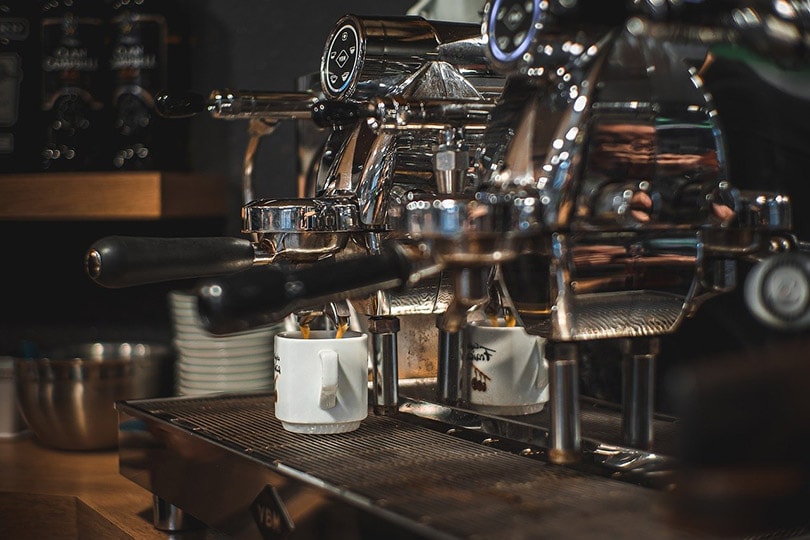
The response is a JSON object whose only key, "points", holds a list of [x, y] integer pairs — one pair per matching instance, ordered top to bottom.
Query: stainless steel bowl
{"points": [[68, 396]]}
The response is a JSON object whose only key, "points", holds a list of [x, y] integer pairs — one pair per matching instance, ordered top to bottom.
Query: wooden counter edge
{"points": [[40, 488]]}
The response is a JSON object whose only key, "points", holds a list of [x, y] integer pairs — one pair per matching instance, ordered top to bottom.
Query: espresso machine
{"points": [[562, 161]]}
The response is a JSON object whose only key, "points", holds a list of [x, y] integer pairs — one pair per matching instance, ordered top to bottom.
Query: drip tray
{"points": [[227, 461]]}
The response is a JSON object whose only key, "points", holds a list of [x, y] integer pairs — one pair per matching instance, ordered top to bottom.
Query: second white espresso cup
{"points": [[506, 369], [321, 381]]}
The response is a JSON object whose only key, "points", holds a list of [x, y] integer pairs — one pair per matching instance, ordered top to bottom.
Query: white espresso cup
{"points": [[505, 370], [321, 381]]}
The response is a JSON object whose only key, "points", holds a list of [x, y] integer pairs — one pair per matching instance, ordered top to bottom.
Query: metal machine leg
{"points": [[384, 363], [563, 377], [448, 382], [638, 391], [167, 517]]}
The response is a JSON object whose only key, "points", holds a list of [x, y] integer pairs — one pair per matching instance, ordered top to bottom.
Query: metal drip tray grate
{"points": [[447, 486]]}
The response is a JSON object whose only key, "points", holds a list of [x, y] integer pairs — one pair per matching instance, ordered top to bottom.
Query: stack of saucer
{"points": [[208, 363]]}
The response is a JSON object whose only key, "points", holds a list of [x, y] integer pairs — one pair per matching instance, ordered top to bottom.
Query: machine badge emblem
{"points": [[271, 515]]}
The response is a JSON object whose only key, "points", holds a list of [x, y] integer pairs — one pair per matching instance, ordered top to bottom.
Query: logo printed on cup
{"points": [[479, 353], [479, 380]]}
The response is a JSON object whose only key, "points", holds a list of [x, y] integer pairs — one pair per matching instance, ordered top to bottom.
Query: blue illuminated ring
{"points": [[524, 46]]}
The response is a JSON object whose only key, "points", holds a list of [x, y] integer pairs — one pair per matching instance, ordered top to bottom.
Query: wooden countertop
{"points": [[55, 494]]}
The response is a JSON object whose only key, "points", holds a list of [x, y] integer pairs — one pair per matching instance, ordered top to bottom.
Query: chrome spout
{"points": [[451, 162]]}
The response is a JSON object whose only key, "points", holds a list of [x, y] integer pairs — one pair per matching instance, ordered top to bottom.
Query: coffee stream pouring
{"points": [[568, 154]]}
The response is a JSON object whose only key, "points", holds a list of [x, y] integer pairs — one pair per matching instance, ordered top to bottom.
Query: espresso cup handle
{"points": [[542, 370], [329, 378]]}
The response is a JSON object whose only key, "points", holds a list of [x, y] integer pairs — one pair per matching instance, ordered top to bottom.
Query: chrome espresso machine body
{"points": [[564, 163]]}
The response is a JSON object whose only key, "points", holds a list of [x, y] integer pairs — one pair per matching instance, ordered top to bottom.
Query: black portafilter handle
{"points": [[180, 105], [124, 261], [264, 295]]}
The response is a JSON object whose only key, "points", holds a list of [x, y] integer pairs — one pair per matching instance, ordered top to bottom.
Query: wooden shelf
{"points": [[149, 195]]}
